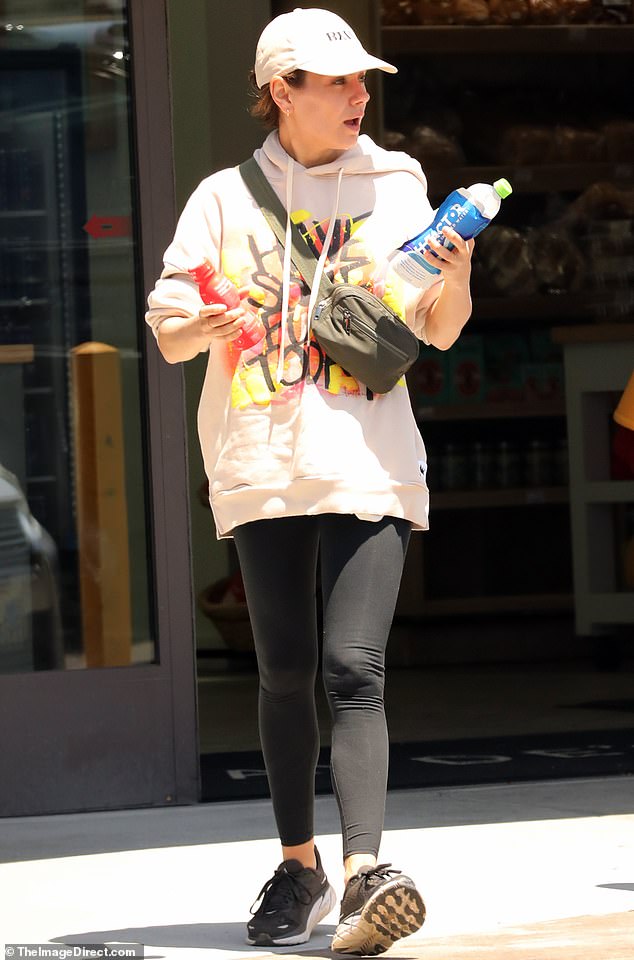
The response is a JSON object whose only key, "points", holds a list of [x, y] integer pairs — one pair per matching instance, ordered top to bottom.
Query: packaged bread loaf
{"points": [[509, 11], [545, 11], [576, 11], [613, 11], [435, 12], [475, 12], [396, 13], [396, 140], [618, 141], [526, 144], [577, 145], [434, 149], [601, 201], [505, 256], [557, 262]]}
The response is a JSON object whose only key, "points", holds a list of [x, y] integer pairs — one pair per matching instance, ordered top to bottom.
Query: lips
{"points": [[354, 123]]}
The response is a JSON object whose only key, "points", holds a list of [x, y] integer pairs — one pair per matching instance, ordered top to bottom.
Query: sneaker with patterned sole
{"points": [[291, 904], [379, 906]]}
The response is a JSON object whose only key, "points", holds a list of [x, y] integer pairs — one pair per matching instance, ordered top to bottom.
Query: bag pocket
{"points": [[370, 332]]}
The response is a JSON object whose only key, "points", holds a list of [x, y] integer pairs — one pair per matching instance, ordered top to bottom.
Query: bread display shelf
{"points": [[459, 38], [551, 177], [556, 259], [599, 333]]}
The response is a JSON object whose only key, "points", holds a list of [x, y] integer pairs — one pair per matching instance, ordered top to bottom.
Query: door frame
{"points": [[113, 738]]}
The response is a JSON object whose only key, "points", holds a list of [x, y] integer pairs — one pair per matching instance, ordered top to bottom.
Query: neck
{"points": [[305, 154]]}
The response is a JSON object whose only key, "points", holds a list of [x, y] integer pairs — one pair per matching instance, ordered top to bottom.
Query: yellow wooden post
{"points": [[102, 515]]}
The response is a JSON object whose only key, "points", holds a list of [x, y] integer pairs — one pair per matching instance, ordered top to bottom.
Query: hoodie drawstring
{"points": [[286, 268], [314, 293]]}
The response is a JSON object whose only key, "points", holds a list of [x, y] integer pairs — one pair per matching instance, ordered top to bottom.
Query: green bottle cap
{"points": [[503, 188]]}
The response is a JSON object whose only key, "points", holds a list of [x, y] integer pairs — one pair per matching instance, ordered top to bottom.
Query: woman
{"points": [[302, 458]]}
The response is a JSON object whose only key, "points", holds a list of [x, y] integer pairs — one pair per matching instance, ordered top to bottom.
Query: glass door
{"points": [[88, 679]]}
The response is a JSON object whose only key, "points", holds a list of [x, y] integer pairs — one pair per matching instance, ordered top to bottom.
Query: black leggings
{"points": [[361, 567]]}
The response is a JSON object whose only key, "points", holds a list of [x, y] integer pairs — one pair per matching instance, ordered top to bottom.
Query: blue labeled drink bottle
{"points": [[467, 210]]}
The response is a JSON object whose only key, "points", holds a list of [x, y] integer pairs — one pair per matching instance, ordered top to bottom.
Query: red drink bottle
{"points": [[214, 287]]}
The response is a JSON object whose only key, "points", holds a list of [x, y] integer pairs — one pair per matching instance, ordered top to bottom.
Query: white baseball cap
{"points": [[315, 40]]}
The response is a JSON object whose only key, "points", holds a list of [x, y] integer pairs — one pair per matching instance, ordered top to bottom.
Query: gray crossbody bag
{"points": [[354, 327]]}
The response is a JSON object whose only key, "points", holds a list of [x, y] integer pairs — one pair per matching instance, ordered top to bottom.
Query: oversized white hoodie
{"points": [[287, 433]]}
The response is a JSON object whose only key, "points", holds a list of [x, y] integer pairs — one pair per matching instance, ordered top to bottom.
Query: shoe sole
{"points": [[321, 908], [395, 911]]}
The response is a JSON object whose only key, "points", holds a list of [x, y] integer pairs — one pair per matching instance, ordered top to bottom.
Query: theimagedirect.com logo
{"points": [[84, 951]]}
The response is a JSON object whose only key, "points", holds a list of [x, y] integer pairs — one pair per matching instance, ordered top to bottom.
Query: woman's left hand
{"points": [[455, 263]]}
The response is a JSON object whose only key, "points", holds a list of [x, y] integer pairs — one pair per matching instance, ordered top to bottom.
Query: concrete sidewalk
{"points": [[542, 871]]}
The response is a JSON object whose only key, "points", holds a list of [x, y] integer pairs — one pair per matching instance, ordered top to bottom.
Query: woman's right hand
{"points": [[217, 323], [183, 338]]}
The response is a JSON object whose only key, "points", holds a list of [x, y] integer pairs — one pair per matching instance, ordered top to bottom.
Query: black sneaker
{"points": [[292, 903], [379, 906]]}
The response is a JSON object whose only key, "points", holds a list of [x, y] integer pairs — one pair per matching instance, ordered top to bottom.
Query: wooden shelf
{"points": [[536, 40], [546, 178], [594, 333], [490, 411], [512, 497], [528, 603]]}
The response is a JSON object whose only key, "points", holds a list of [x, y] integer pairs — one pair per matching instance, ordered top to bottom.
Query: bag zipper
{"points": [[370, 332]]}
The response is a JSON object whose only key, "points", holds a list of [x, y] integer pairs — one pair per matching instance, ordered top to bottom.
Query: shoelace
{"points": [[378, 874], [281, 890]]}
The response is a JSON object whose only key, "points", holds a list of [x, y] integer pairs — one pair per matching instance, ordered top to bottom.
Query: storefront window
{"points": [[74, 584]]}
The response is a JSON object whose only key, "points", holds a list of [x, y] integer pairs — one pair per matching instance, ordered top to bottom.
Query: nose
{"points": [[360, 94]]}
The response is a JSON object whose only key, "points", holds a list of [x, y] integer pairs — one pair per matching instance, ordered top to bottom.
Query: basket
{"points": [[231, 619]]}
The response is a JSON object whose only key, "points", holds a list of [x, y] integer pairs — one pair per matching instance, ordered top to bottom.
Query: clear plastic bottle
{"points": [[467, 210], [214, 287]]}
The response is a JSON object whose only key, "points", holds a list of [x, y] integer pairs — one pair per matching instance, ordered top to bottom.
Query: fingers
{"points": [[455, 255], [216, 322]]}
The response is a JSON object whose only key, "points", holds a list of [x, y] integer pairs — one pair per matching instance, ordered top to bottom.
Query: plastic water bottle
{"points": [[467, 210], [214, 287]]}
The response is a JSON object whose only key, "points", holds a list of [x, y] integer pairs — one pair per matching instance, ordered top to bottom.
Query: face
{"points": [[325, 117]]}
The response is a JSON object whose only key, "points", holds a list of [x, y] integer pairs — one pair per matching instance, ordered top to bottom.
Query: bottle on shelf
{"points": [[467, 210], [214, 287], [538, 464], [482, 465], [453, 471], [507, 471]]}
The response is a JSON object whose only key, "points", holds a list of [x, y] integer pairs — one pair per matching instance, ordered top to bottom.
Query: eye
{"points": [[341, 81]]}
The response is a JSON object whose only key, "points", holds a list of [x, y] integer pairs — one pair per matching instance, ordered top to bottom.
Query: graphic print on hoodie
{"points": [[254, 371]]}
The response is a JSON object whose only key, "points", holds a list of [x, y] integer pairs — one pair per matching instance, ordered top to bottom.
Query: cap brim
{"points": [[340, 66]]}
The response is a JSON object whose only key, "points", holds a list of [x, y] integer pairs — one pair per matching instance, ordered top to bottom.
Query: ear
{"points": [[280, 93]]}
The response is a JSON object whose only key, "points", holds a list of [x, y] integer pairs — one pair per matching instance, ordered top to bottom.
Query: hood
{"points": [[365, 158]]}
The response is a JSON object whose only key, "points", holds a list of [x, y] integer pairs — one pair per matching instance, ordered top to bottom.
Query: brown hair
{"points": [[265, 108]]}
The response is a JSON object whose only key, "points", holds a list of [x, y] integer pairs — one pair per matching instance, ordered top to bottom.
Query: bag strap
{"points": [[275, 214]]}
